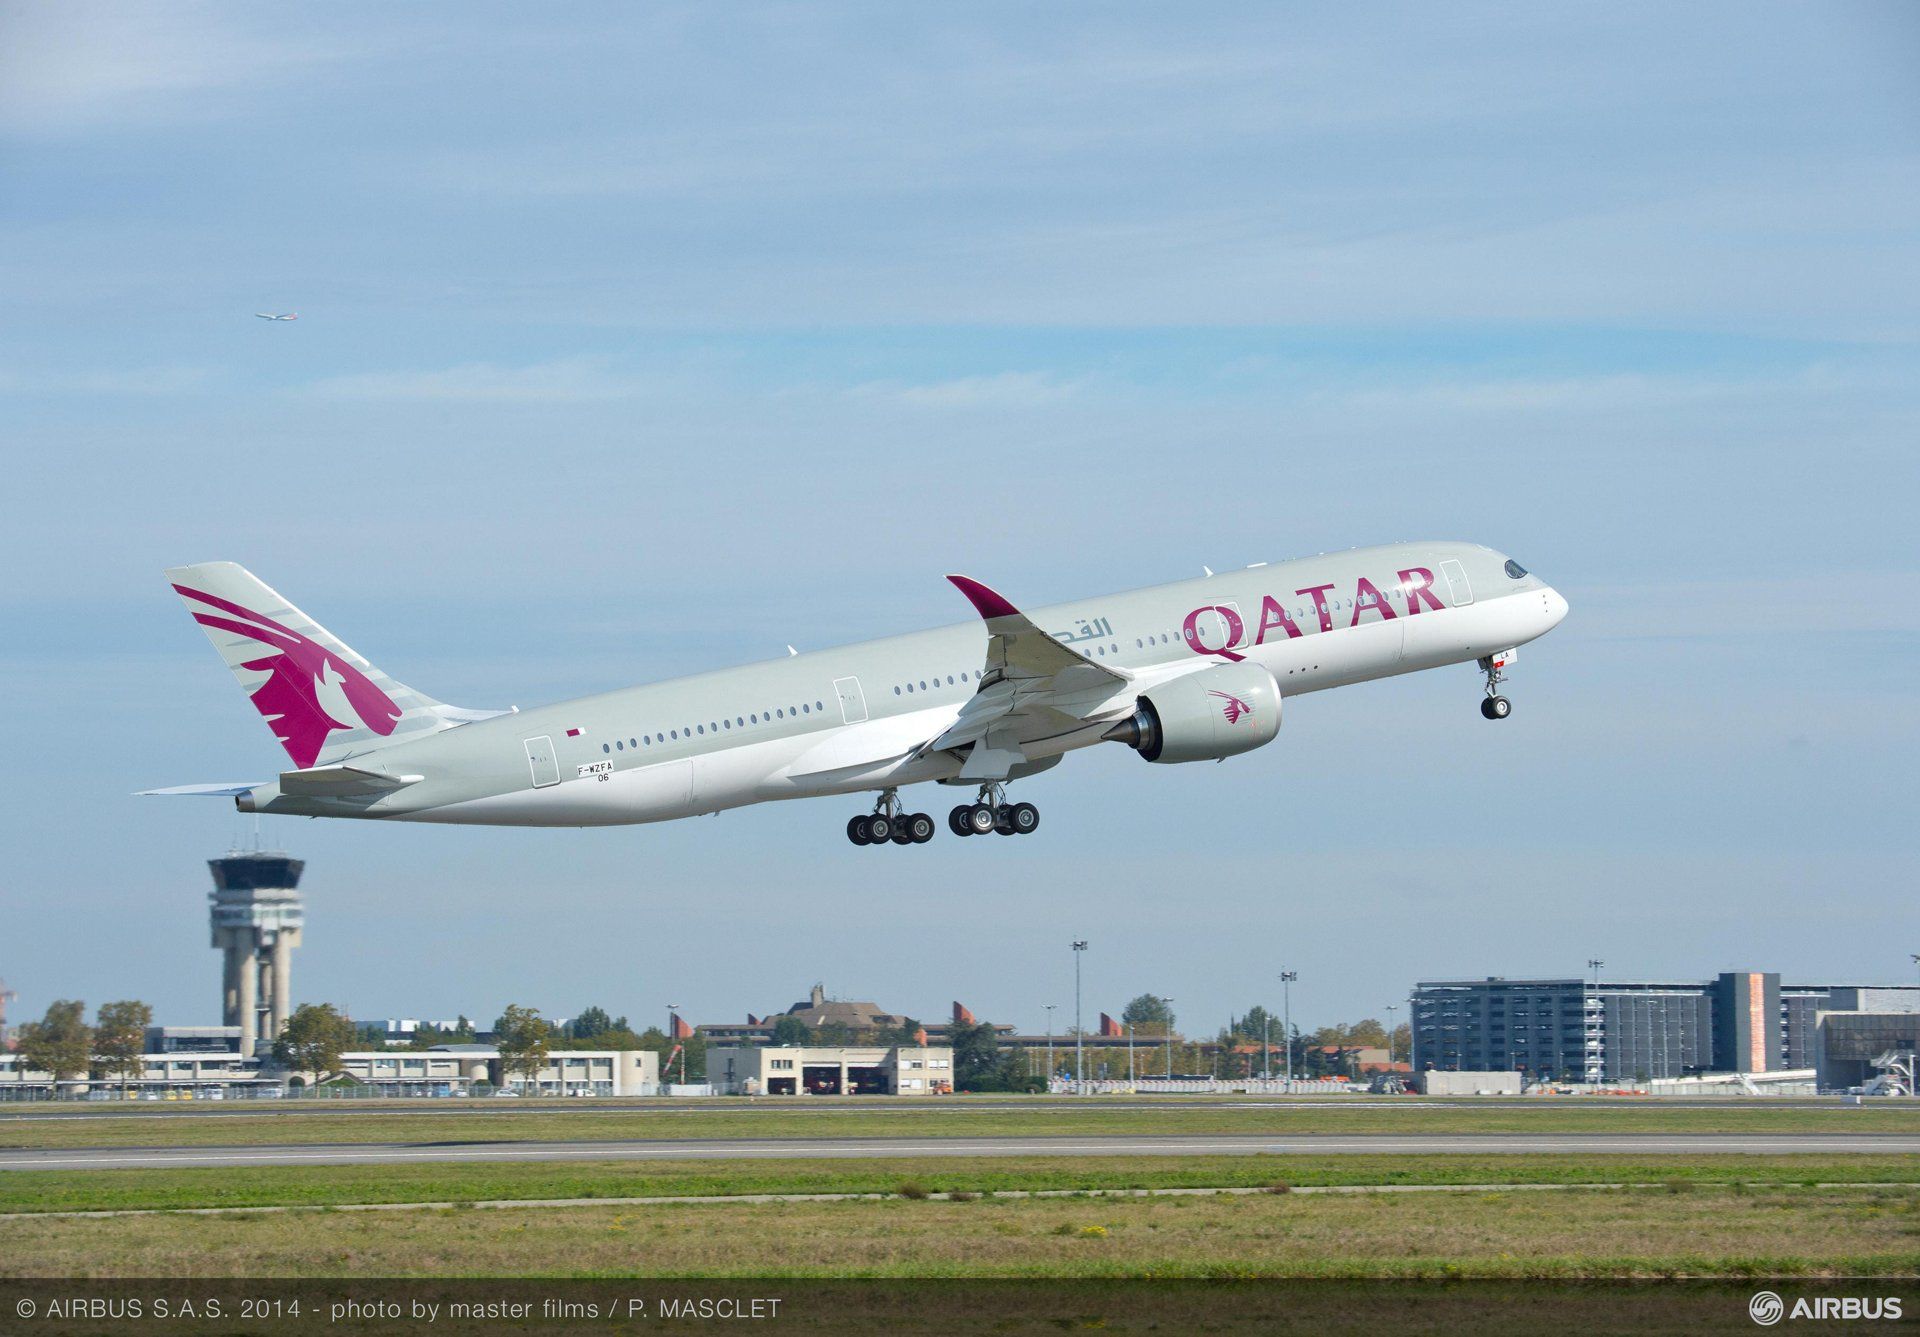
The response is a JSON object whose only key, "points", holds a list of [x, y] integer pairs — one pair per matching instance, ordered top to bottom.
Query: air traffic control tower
{"points": [[257, 917]]}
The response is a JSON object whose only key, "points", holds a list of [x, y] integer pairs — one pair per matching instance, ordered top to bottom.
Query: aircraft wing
{"points": [[1033, 686], [341, 782], [201, 791]]}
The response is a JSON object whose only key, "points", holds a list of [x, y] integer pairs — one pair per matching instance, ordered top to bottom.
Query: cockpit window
{"points": [[1515, 570]]}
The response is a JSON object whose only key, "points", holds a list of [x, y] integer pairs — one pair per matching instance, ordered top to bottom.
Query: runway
{"points": [[874, 1148]]}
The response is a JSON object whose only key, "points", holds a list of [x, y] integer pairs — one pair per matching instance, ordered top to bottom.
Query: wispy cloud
{"points": [[66, 65], [159, 380], [566, 380], [999, 390]]}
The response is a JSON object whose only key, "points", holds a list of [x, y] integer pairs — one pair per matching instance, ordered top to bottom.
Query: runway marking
{"points": [[871, 1148], [714, 1199]]}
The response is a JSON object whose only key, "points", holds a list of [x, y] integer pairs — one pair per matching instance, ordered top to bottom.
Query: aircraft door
{"points": [[1457, 585], [1219, 627], [853, 701], [542, 763]]}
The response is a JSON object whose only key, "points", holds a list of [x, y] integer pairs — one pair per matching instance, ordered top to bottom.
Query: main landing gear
{"points": [[1496, 706], [991, 813], [887, 823]]}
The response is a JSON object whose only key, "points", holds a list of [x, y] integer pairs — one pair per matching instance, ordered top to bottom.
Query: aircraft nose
{"points": [[1556, 607]]}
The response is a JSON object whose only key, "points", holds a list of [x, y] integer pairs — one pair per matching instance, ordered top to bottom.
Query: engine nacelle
{"points": [[1206, 716]]}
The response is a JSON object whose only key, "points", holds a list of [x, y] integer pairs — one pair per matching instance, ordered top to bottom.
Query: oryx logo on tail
{"points": [[309, 691], [1235, 707]]}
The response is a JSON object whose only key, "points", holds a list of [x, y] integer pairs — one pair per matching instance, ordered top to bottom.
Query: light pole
{"points": [[1915, 958], [1287, 977], [1169, 1003], [1050, 1007], [672, 1009], [1391, 1009], [1079, 1032], [1266, 1048], [1129, 1054], [1590, 1069]]}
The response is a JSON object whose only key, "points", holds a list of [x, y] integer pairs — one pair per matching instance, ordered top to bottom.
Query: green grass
{"points": [[110, 1126], [321, 1186], [1711, 1232]]}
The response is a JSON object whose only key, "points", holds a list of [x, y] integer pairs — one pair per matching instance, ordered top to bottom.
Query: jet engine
{"points": [[1206, 716]]}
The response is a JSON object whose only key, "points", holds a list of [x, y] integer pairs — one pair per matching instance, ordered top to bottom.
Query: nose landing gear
{"points": [[1496, 706], [991, 813], [889, 824]]}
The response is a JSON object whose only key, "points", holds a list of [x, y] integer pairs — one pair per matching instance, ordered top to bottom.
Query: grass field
{"points": [[434, 1122], [322, 1186], [1704, 1231]]}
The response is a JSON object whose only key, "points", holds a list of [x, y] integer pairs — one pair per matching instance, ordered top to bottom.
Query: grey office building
{"points": [[1624, 1031]]}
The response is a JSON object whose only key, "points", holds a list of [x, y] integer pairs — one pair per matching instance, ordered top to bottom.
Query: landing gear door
{"points": [[1457, 585], [853, 701], [541, 762]]}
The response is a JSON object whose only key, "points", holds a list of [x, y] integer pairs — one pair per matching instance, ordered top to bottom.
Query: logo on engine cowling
{"points": [[1235, 707]]}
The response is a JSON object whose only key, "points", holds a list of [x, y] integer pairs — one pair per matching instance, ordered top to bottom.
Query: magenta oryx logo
{"points": [[309, 692], [1235, 708]]}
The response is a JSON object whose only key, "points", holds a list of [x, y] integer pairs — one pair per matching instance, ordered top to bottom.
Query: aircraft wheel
{"points": [[1496, 707], [1025, 819], [957, 820], [979, 820], [1003, 820], [878, 827], [920, 828], [903, 829], [856, 830]]}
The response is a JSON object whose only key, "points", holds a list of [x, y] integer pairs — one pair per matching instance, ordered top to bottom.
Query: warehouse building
{"points": [[1630, 1031], [1853, 1049], [189, 1059], [445, 1068], [841, 1070]]}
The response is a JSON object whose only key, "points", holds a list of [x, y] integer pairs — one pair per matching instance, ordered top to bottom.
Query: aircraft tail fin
{"points": [[323, 701]]}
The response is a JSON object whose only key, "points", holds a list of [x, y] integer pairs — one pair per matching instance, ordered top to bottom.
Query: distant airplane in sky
{"points": [[268, 315], [1193, 671]]}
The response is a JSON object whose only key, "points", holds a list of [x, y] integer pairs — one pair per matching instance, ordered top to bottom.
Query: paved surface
{"points": [[36, 1111], [869, 1148], [698, 1199]]}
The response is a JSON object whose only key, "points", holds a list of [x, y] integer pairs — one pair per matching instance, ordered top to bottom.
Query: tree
{"points": [[1149, 1014], [591, 1021], [790, 1030], [522, 1035], [120, 1038], [313, 1039], [61, 1043], [976, 1057]]}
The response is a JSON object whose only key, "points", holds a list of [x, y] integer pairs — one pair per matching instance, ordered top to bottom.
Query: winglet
{"points": [[988, 603]]}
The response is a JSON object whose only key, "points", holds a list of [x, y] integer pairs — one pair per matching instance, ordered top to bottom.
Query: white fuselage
{"points": [[859, 717]]}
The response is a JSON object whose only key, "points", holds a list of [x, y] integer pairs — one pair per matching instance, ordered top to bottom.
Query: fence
{"points": [[1205, 1086]]}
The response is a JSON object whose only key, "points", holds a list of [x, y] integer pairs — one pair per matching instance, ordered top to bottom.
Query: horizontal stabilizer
{"points": [[341, 782], [203, 791]]}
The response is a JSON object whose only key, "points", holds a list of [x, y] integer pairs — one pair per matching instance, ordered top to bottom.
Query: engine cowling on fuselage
{"points": [[1206, 716]]}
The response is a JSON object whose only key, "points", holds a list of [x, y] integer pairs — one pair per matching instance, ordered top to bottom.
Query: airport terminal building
{"points": [[1632, 1031]]}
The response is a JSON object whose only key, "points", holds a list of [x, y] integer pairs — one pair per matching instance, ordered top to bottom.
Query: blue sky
{"points": [[637, 342]]}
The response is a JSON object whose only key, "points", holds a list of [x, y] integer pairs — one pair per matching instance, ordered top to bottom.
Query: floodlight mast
{"points": [[1287, 977], [1050, 1007], [1079, 1031]]}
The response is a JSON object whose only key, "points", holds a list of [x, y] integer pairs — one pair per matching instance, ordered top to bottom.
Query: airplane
{"points": [[268, 315], [1186, 672]]}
